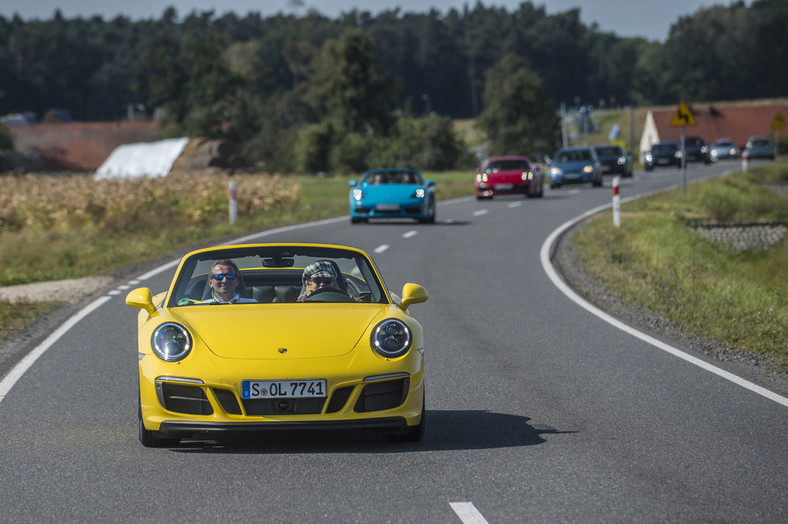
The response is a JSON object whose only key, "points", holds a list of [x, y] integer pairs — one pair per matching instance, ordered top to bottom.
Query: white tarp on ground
{"points": [[151, 159]]}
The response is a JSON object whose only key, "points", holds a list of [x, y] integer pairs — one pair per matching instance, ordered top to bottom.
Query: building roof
{"points": [[737, 122]]}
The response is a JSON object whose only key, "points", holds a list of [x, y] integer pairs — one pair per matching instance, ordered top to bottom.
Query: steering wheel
{"points": [[328, 294]]}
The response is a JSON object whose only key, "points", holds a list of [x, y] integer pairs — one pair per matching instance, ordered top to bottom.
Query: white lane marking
{"points": [[514, 204], [480, 212], [411, 233], [381, 248], [546, 252], [23, 365], [468, 513]]}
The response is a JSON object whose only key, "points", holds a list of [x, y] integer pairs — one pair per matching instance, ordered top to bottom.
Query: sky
{"points": [[650, 19]]}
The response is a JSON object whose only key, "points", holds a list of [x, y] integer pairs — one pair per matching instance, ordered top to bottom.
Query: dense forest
{"points": [[313, 93]]}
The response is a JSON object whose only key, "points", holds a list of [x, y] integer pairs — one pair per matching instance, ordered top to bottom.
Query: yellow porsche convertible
{"points": [[257, 337]]}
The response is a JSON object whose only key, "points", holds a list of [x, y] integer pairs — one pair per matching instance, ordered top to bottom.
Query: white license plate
{"points": [[503, 187], [387, 207], [283, 388]]}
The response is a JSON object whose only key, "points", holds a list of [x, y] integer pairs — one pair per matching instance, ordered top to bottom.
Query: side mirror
{"points": [[352, 183], [430, 183], [412, 294], [141, 299]]}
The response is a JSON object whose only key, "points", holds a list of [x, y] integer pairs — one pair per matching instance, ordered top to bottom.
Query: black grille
{"points": [[382, 395], [184, 399], [338, 399], [228, 401], [290, 406]]}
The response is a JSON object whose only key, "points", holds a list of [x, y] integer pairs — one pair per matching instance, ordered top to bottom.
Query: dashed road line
{"points": [[468, 513]]}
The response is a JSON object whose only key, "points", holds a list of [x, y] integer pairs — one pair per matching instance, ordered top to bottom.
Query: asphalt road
{"points": [[538, 410]]}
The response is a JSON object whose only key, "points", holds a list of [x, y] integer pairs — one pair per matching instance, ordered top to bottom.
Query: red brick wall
{"points": [[77, 146]]}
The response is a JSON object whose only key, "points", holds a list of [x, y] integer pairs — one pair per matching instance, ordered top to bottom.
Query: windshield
{"points": [[665, 148], [609, 151], [574, 155], [508, 165], [392, 177], [276, 274]]}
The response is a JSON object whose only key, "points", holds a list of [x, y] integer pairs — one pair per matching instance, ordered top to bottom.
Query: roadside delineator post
{"points": [[744, 161], [616, 202], [233, 203]]}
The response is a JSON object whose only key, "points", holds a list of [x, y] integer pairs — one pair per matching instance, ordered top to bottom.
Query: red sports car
{"points": [[508, 175]]}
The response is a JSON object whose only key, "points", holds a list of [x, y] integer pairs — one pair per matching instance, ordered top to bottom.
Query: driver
{"points": [[318, 276], [223, 281]]}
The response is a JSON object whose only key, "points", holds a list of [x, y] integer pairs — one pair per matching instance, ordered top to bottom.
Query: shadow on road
{"points": [[446, 431]]}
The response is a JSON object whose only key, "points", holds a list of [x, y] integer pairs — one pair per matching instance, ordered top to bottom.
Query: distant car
{"points": [[759, 147], [696, 149], [723, 149], [663, 154], [614, 160], [575, 165], [508, 175], [392, 193], [347, 354]]}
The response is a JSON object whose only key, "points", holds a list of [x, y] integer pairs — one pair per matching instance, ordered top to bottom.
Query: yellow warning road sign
{"points": [[683, 117], [778, 122]]}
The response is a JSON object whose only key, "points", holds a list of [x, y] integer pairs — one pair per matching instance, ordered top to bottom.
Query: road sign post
{"points": [[683, 118], [777, 125], [233, 196], [616, 202]]}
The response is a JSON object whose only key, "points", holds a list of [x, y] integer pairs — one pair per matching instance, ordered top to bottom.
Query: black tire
{"points": [[355, 220]]}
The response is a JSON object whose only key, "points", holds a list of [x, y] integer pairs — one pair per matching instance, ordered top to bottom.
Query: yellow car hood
{"points": [[280, 330]]}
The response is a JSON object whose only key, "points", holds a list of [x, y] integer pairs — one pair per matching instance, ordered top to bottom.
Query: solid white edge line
{"points": [[545, 255], [23, 365], [468, 513]]}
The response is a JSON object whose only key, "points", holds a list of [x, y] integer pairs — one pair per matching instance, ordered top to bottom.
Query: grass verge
{"points": [[657, 261]]}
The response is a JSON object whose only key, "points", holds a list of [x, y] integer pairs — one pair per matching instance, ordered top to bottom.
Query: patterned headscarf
{"points": [[321, 268]]}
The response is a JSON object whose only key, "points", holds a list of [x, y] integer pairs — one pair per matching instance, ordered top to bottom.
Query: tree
{"points": [[350, 88], [519, 116]]}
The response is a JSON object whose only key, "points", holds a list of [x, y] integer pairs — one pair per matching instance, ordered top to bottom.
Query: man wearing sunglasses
{"points": [[223, 281]]}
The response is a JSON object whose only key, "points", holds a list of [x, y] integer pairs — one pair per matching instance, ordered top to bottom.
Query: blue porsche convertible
{"points": [[392, 193]]}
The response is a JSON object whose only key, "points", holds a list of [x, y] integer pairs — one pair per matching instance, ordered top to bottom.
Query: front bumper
{"points": [[488, 190], [410, 209], [362, 392]]}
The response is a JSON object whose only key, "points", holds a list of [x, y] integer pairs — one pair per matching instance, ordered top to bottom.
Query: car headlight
{"points": [[648, 157], [622, 160], [588, 169], [556, 171], [527, 175], [419, 193], [358, 194], [391, 338], [171, 342]]}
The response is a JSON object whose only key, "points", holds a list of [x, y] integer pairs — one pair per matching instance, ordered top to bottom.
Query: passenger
{"points": [[317, 277], [223, 281]]}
